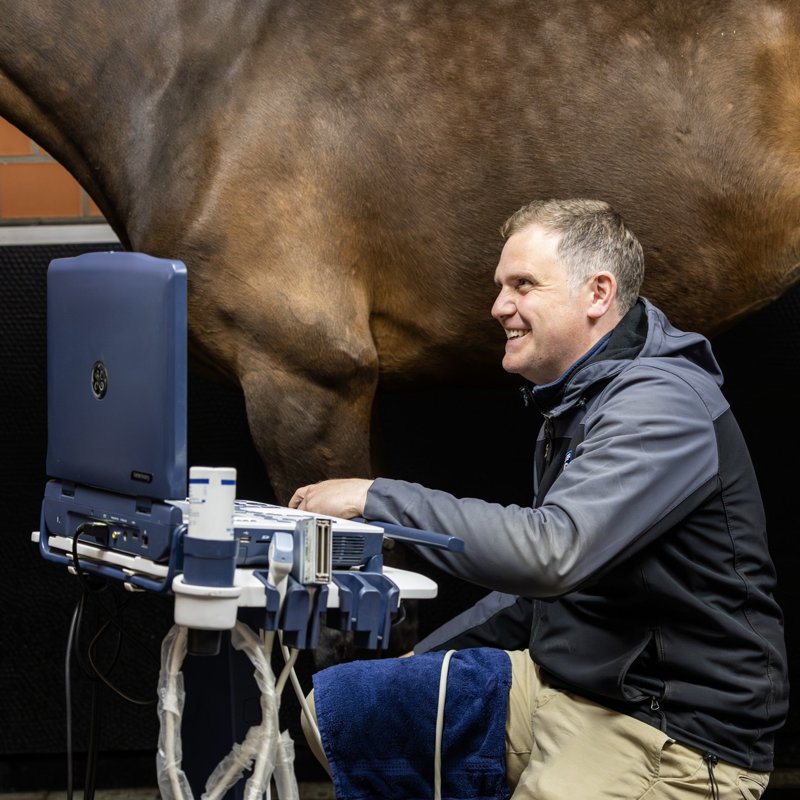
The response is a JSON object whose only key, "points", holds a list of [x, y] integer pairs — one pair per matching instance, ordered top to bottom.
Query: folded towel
{"points": [[377, 720]]}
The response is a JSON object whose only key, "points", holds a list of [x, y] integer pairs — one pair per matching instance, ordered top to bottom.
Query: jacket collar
{"points": [[611, 352]]}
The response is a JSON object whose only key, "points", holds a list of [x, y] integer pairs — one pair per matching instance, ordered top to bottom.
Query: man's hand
{"points": [[341, 497]]}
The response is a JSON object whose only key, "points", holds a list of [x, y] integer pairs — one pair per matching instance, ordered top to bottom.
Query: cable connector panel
{"points": [[313, 551]]}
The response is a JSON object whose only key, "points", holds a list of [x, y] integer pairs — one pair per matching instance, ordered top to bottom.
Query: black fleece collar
{"points": [[622, 343]]}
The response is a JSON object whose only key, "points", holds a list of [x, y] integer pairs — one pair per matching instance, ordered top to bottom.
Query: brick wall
{"points": [[34, 188]]}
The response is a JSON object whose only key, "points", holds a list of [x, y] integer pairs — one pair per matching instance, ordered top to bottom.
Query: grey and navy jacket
{"points": [[640, 578]]}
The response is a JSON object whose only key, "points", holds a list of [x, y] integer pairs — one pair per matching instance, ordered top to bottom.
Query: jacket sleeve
{"points": [[649, 453], [497, 620]]}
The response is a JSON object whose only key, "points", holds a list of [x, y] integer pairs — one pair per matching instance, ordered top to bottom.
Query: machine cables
{"points": [[108, 620], [265, 751]]}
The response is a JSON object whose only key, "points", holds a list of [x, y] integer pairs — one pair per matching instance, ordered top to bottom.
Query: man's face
{"points": [[546, 324]]}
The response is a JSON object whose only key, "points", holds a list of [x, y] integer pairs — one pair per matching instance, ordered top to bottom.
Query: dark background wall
{"points": [[472, 442]]}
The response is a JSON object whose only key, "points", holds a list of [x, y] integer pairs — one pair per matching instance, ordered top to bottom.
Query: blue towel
{"points": [[377, 720]]}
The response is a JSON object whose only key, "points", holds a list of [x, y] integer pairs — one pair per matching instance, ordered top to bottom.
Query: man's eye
{"points": [[522, 283]]}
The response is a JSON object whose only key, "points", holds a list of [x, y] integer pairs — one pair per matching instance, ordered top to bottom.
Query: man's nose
{"points": [[502, 306]]}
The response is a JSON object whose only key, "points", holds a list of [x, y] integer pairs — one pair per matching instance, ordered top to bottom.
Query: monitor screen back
{"points": [[116, 373]]}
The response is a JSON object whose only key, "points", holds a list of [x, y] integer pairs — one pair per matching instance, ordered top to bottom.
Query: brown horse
{"points": [[334, 172]]}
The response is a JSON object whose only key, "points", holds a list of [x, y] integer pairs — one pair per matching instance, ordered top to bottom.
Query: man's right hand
{"points": [[340, 497]]}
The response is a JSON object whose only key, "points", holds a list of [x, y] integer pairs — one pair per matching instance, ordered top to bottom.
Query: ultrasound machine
{"points": [[122, 504]]}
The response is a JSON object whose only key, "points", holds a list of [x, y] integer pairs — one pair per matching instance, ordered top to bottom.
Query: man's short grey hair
{"points": [[594, 239]]}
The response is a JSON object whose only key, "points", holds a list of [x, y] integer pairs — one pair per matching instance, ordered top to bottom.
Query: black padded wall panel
{"points": [[457, 440]]}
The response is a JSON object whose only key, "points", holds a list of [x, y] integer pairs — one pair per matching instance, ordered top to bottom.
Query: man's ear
{"points": [[603, 289]]}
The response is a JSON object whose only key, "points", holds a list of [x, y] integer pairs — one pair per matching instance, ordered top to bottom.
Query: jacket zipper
{"points": [[548, 438], [656, 706]]}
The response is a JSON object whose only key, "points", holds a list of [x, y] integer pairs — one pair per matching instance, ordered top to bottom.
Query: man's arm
{"points": [[649, 453]]}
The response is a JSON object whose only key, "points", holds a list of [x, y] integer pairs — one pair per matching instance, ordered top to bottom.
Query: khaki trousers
{"points": [[560, 746]]}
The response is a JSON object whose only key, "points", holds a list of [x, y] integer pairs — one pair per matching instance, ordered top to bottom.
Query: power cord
{"points": [[108, 618], [289, 658], [68, 690], [437, 750]]}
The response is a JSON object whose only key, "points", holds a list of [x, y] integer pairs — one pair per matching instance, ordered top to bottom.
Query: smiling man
{"points": [[566, 310], [631, 645]]}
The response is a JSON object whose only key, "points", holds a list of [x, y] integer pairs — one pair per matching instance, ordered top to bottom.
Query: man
{"points": [[641, 578]]}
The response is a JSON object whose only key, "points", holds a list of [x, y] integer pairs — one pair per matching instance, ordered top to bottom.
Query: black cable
{"points": [[85, 578], [94, 586], [91, 587], [76, 614], [102, 677], [94, 739]]}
